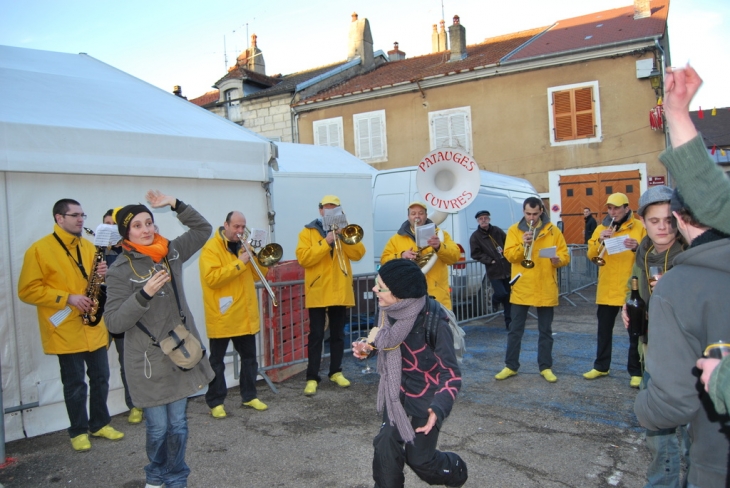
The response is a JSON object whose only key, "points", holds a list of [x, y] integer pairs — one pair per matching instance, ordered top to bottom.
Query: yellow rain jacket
{"points": [[613, 278], [47, 279], [437, 279], [324, 282], [537, 286], [229, 294]]}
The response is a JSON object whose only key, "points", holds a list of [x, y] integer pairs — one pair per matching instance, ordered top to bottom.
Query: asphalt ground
{"points": [[520, 432]]}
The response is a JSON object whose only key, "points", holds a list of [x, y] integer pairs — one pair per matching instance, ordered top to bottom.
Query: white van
{"points": [[501, 195]]}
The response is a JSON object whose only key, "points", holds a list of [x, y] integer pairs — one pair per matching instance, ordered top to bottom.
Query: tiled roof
{"points": [[595, 30], [408, 70], [245, 74], [289, 82], [281, 84], [203, 100], [715, 129]]}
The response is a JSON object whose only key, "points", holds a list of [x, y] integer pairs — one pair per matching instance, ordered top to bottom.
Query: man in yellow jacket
{"points": [[446, 252], [54, 277], [613, 280], [536, 285], [328, 292], [231, 311]]}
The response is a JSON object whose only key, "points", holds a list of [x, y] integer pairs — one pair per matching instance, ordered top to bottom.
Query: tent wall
{"points": [[296, 198], [29, 375]]}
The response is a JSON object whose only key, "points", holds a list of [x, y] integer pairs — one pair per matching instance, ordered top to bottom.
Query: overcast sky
{"points": [[181, 42]]}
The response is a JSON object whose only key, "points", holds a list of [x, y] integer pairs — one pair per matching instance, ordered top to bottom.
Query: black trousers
{"points": [[606, 319], [316, 338], [245, 345], [432, 466]]}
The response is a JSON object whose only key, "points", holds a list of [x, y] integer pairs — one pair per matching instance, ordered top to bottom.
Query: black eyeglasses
{"points": [[76, 215]]}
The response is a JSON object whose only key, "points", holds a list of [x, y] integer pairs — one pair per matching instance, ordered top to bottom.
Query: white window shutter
{"points": [[441, 132], [334, 134], [321, 136], [459, 136], [376, 137], [363, 138]]}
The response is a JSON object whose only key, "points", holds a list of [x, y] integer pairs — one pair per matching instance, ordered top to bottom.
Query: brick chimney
{"points": [[642, 9], [457, 33], [435, 39], [360, 42], [396, 54], [177, 90]]}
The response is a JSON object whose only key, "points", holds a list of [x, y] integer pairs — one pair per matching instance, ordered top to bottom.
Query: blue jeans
{"points": [[544, 341], [245, 345], [74, 390], [167, 436], [665, 470]]}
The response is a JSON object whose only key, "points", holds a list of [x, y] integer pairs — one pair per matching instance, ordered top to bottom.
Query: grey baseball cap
{"points": [[655, 194]]}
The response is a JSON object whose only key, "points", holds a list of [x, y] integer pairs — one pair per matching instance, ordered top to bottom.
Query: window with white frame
{"points": [[234, 105], [574, 114], [451, 128], [328, 132], [370, 141]]}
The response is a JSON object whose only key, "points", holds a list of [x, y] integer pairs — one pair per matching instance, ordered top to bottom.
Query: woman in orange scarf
{"points": [[146, 301]]}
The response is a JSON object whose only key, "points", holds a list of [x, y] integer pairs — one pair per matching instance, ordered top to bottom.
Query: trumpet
{"points": [[350, 234], [269, 255], [598, 260], [528, 262]]}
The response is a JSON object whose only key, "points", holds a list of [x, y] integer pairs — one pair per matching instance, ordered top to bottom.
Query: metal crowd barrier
{"points": [[283, 336]]}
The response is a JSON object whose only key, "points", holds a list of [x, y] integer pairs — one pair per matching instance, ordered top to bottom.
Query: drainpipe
{"points": [[666, 132]]}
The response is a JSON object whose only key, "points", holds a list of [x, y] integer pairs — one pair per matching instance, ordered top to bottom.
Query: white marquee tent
{"points": [[74, 127]]}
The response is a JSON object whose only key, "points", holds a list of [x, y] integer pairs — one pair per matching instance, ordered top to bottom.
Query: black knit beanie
{"points": [[126, 214], [403, 278]]}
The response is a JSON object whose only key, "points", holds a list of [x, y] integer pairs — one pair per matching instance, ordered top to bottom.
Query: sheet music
{"points": [[334, 216], [424, 233], [106, 235], [258, 238], [615, 245], [548, 252], [60, 316]]}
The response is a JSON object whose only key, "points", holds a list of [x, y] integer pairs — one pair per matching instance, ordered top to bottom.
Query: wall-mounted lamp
{"points": [[655, 78]]}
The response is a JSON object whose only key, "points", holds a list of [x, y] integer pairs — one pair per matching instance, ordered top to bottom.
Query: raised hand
{"points": [[157, 199]]}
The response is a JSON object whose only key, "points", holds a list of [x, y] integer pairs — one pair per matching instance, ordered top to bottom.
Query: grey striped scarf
{"points": [[388, 341]]}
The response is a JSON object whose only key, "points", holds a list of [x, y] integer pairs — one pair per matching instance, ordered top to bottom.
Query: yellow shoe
{"points": [[594, 373], [504, 374], [549, 376], [340, 380], [635, 381], [311, 388], [256, 404], [218, 412], [135, 415], [108, 432], [81, 442]]}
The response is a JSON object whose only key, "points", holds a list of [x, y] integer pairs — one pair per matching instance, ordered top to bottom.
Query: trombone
{"points": [[350, 234], [269, 255], [598, 260], [528, 262]]}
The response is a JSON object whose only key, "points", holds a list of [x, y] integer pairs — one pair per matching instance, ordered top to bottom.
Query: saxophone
{"points": [[95, 289]]}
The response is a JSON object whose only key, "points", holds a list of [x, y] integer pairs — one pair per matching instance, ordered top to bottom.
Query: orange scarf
{"points": [[157, 250]]}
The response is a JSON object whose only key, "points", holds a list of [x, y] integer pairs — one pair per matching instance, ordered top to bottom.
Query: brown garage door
{"points": [[592, 190]]}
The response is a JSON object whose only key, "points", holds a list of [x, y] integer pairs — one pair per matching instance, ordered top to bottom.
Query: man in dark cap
{"points": [[487, 246], [54, 278], [689, 310]]}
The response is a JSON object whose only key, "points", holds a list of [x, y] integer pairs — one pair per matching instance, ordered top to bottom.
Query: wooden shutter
{"points": [[573, 114]]}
